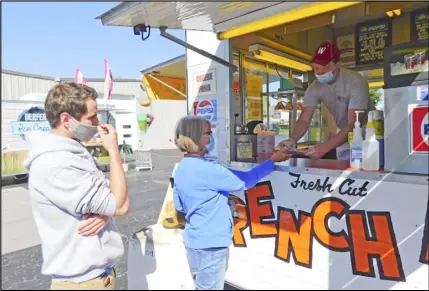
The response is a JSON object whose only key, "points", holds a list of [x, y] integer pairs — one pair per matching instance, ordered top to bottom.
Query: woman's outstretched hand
{"points": [[280, 156]]}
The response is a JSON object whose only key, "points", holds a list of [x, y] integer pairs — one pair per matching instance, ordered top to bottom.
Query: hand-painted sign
{"points": [[204, 83], [30, 120], [419, 127], [337, 222]]}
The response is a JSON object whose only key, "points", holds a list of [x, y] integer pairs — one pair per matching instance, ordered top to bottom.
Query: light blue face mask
{"points": [[325, 78], [210, 146]]}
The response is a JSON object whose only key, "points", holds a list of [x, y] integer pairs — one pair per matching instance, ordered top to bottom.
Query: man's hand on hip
{"points": [[93, 224]]}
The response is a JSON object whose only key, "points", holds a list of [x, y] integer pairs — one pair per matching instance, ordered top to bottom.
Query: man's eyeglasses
{"points": [[209, 133]]}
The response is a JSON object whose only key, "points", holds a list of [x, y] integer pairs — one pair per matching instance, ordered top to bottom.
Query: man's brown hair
{"points": [[67, 97]]}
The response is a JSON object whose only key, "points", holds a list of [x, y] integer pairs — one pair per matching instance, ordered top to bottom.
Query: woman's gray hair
{"points": [[188, 133]]}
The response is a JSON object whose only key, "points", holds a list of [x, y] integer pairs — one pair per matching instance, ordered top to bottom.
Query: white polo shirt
{"points": [[349, 92]]}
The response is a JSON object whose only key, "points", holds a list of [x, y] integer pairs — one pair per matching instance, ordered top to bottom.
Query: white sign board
{"points": [[204, 82], [299, 231], [304, 231]]}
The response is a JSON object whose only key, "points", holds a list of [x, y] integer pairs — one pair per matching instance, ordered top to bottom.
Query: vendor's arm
{"points": [[311, 100], [359, 100], [302, 124], [342, 136]]}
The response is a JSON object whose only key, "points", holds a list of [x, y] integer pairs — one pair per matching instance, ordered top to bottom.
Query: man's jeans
{"points": [[208, 267]]}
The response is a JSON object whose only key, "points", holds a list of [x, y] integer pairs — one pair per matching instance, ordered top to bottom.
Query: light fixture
{"points": [[394, 12], [285, 17], [282, 48], [267, 54], [269, 57], [376, 84], [279, 106]]}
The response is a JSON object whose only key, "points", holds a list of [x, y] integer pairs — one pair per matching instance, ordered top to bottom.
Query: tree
{"points": [[375, 95]]}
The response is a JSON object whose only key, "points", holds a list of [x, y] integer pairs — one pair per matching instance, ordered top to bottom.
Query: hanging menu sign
{"points": [[419, 25], [371, 39]]}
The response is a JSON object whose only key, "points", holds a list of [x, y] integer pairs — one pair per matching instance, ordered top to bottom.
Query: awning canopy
{"points": [[205, 16], [219, 17], [173, 68], [167, 80]]}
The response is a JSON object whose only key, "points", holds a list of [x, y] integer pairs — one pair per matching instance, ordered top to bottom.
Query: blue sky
{"points": [[54, 39]]}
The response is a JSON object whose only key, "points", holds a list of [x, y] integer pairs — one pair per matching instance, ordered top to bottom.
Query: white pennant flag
{"points": [[79, 78], [108, 81]]}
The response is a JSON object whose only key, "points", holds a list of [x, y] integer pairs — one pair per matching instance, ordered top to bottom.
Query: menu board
{"points": [[419, 25], [371, 39]]}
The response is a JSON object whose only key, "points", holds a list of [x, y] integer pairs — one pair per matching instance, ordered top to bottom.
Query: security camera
{"points": [[141, 29]]}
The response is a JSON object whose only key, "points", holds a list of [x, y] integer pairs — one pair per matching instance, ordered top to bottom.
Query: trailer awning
{"points": [[203, 16], [229, 19], [174, 68], [167, 80]]}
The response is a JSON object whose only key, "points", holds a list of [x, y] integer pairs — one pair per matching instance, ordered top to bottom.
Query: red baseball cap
{"points": [[325, 53]]}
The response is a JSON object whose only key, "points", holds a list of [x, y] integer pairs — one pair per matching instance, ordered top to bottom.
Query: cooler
{"points": [[406, 108]]}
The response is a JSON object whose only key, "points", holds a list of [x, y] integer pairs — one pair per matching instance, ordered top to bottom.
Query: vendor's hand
{"points": [[288, 144], [316, 152], [279, 156], [93, 224]]}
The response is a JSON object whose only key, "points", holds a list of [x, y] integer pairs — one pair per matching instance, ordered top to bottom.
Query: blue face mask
{"points": [[325, 78], [210, 146]]}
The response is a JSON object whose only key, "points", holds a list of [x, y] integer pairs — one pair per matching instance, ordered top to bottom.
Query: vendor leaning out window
{"points": [[342, 91]]}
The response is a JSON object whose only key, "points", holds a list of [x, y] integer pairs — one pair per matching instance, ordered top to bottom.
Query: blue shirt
{"points": [[201, 189]]}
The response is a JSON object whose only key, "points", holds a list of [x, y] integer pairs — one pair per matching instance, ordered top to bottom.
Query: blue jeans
{"points": [[208, 267]]}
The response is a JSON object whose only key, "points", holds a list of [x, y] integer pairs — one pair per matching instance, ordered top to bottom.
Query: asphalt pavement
{"points": [[20, 248], [21, 251]]}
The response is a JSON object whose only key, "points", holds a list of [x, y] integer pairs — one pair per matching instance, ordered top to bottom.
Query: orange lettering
{"points": [[260, 211], [322, 211], [240, 221], [291, 240], [381, 245], [424, 254], [427, 254]]}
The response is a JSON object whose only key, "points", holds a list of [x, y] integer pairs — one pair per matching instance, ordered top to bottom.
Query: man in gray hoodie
{"points": [[66, 186]]}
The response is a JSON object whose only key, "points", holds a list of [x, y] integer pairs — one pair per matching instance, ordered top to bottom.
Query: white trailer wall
{"points": [[14, 85], [219, 95], [160, 134]]}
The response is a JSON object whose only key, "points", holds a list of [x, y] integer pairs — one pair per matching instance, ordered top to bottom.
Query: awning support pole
{"points": [[195, 49], [168, 86]]}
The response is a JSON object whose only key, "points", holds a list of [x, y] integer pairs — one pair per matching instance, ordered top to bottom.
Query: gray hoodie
{"points": [[65, 184]]}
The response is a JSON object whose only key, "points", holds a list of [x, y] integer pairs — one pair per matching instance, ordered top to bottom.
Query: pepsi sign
{"points": [[422, 93], [206, 109], [420, 129]]}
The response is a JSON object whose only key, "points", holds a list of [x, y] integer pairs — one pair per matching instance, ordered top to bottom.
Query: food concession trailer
{"points": [[312, 224]]}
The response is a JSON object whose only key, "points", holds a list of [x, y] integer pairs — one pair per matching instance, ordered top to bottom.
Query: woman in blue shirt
{"points": [[201, 189]]}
